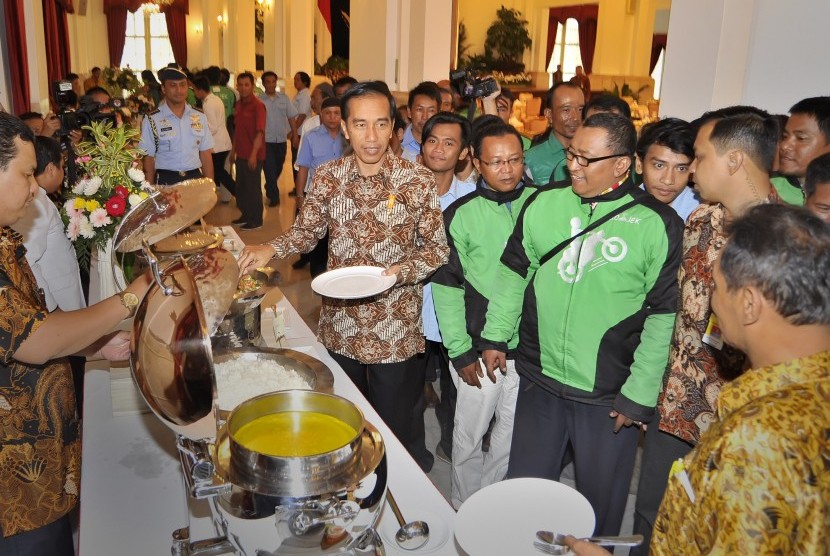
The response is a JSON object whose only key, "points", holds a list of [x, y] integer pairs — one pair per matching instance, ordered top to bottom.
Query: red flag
{"points": [[325, 10]]}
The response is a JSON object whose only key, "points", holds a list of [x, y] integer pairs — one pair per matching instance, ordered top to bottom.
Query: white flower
{"points": [[135, 174], [80, 186], [92, 186], [146, 186], [134, 199], [98, 218], [73, 229], [87, 231]]}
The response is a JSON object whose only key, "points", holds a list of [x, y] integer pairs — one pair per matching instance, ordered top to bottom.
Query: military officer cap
{"points": [[171, 73]]}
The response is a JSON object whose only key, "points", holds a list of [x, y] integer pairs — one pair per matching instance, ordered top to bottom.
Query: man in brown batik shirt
{"points": [[379, 210]]}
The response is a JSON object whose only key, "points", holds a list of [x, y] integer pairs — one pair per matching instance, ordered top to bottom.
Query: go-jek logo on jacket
{"points": [[590, 252]]}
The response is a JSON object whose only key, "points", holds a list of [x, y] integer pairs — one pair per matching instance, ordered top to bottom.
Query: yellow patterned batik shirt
{"points": [[40, 448], [761, 473]]}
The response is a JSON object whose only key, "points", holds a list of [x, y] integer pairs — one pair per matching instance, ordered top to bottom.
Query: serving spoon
{"points": [[410, 536]]}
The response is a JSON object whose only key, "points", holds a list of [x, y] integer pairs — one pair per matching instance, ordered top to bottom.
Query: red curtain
{"points": [[586, 16], [176, 18], [56, 31], [16, 36], [658, 43]]}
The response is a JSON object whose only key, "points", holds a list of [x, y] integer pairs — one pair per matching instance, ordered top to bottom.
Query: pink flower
{"points": [[71, 211], [99, 218], [73, 229]]}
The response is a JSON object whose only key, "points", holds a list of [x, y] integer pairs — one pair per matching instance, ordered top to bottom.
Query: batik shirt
{"points": [[382, 220], [696, 370], [40, 448], [760, 474]]}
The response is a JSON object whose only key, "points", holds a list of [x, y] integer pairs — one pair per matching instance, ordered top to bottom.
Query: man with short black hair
{"points": [[94, 80], [343, 84], [302, 103], [606, 103], [423, 104], [214, 111], [281, 122], [175, 136], [806, 136], [446, 140], [320, 145], [734, 149], [665, 152], [248, 153], [545, 161], [817, 187], [379, 210], [477, 227], [592, 271], [758, 482]]}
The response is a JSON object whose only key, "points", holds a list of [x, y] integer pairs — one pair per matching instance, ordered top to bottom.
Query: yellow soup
{"points": [[294, 433]]}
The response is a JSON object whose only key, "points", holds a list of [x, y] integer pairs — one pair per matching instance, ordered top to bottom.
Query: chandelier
{"points": [[154, 6]]}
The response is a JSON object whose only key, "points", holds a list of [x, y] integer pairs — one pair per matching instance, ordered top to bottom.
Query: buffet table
{"points": [[132, 492]]}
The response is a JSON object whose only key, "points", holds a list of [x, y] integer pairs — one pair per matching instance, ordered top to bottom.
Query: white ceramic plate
{"points": [[353, 282], [503, 518], [439, 533]]}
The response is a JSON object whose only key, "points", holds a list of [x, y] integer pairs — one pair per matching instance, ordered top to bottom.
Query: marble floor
{"points": [[296, 286]]}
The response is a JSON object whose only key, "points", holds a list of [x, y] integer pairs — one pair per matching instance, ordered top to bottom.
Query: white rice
{"points": [[243, 379]]}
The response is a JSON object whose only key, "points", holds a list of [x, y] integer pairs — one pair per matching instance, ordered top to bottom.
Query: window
{"points": [[147, 45], [566, 50], [657, 74]]}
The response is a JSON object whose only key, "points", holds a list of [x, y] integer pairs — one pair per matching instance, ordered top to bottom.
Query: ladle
{"points": [[411, 536]]}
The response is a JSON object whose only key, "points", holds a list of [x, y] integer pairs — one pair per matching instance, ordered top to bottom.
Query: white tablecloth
{"points": [[132, 494]]}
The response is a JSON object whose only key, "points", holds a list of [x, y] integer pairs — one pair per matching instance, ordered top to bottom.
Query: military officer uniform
{"points": [[175, 142]]}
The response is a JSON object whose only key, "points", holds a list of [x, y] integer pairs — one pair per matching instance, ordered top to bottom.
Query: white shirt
{"points": [[302, 102], [214, 110], [308, 125], [51, 255]]}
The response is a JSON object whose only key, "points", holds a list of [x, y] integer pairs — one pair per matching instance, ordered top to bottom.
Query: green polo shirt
{"points": [[543, 159], [789, 189]]}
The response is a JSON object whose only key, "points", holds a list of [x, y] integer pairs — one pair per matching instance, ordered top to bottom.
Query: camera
{"points": [[469, 85], [87, 112]]}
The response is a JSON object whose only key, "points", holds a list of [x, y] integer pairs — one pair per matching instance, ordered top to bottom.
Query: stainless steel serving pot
{"points": [[322, 504]]}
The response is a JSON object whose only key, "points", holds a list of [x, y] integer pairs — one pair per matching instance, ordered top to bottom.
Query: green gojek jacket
{"points": [[478, 226], [596, 319]]}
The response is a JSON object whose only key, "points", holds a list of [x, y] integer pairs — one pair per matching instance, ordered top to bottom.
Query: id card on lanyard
{"points": [[713, 336]]}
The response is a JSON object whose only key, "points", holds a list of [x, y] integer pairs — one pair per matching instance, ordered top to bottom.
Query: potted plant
{"points": [[507, 39]]}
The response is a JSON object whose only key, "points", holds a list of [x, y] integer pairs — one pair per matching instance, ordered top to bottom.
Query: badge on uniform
{"points": [[195, 122], [713, 335]]}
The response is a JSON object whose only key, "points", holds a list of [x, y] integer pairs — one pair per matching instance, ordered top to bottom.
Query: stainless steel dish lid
{"points": [[164, 213], [170, 354]]}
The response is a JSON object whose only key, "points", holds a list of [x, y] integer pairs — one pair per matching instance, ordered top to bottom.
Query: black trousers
{"points": [[274, 161], [172, 177], [222, 177], [249, 192], [318, 257], [438, 366], [395, 390], [544, 427], [660, 451], [54, 539]]}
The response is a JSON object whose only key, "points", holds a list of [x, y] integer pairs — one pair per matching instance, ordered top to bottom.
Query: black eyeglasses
{"points": [[584, 160]]}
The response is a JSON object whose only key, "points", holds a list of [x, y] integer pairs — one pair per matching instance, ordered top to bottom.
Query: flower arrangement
{"points": [[508, 79], [118, 80], [110, 183]]}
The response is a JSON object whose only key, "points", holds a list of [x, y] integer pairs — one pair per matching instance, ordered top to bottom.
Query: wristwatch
{"points": [[130, 301]]}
